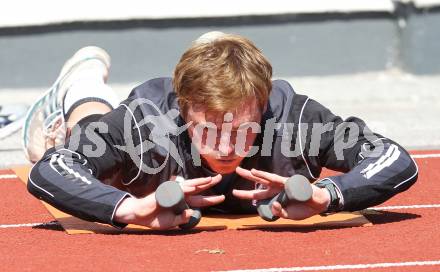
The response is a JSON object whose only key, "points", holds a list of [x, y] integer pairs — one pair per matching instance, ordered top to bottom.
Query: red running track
{"points": [[398, 236]]}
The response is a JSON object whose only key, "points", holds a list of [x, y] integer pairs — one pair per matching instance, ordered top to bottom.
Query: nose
{"points": [[226, 147]]}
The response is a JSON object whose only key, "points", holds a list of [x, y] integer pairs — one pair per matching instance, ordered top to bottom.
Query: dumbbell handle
{"points": [[297, 188], [170, 195], [264, 207]]}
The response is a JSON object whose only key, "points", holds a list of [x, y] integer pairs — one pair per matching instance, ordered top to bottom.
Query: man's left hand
{"points": [[272, 185]]}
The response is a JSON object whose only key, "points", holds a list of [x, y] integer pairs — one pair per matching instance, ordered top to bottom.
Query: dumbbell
{"points": [[297, 188], [169, 195]]}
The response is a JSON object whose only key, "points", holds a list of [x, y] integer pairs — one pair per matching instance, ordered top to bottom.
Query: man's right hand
{"points": [[145, 211]]}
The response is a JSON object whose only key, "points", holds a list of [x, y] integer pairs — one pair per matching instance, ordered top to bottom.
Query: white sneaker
{"points": [[44, 125]]}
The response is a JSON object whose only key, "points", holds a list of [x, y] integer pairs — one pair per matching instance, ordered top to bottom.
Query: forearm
{"points": [[376, 168], [376, 179], [64, 180]]}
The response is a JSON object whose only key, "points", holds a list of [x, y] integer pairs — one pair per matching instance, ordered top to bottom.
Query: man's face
{"points": [[224, 139]]}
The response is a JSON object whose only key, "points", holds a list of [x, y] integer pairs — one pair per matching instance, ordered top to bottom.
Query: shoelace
{"points": [[53, 126]]}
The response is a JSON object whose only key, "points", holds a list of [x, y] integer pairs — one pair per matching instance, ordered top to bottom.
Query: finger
{"points": [[248, 175], [269, 176], [215, 180], [196, 181], [191, 186], [188, 190], [253, 194], [204, 201], [278, 210], [298, 211], [182, 218], [163, 219]]}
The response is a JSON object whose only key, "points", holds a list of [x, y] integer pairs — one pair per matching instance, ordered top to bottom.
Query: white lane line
{"points": [[422, 156], [8, 176], [428, 206], [28, 225], [341, 267]]}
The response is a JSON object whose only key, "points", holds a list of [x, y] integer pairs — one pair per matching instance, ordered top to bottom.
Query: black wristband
{"points": [[334, 205]]}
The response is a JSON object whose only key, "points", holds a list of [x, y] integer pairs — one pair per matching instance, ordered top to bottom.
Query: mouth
{"points": [[227, 160]]}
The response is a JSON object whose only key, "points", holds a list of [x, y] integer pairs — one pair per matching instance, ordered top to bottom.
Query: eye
{"points": [[209, 134]]}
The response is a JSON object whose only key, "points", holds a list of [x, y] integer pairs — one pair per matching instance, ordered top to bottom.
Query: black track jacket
{"points": [[100, 165]]}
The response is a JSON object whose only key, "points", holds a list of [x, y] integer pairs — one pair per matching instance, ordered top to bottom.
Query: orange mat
{"points": [[73, 225]]}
